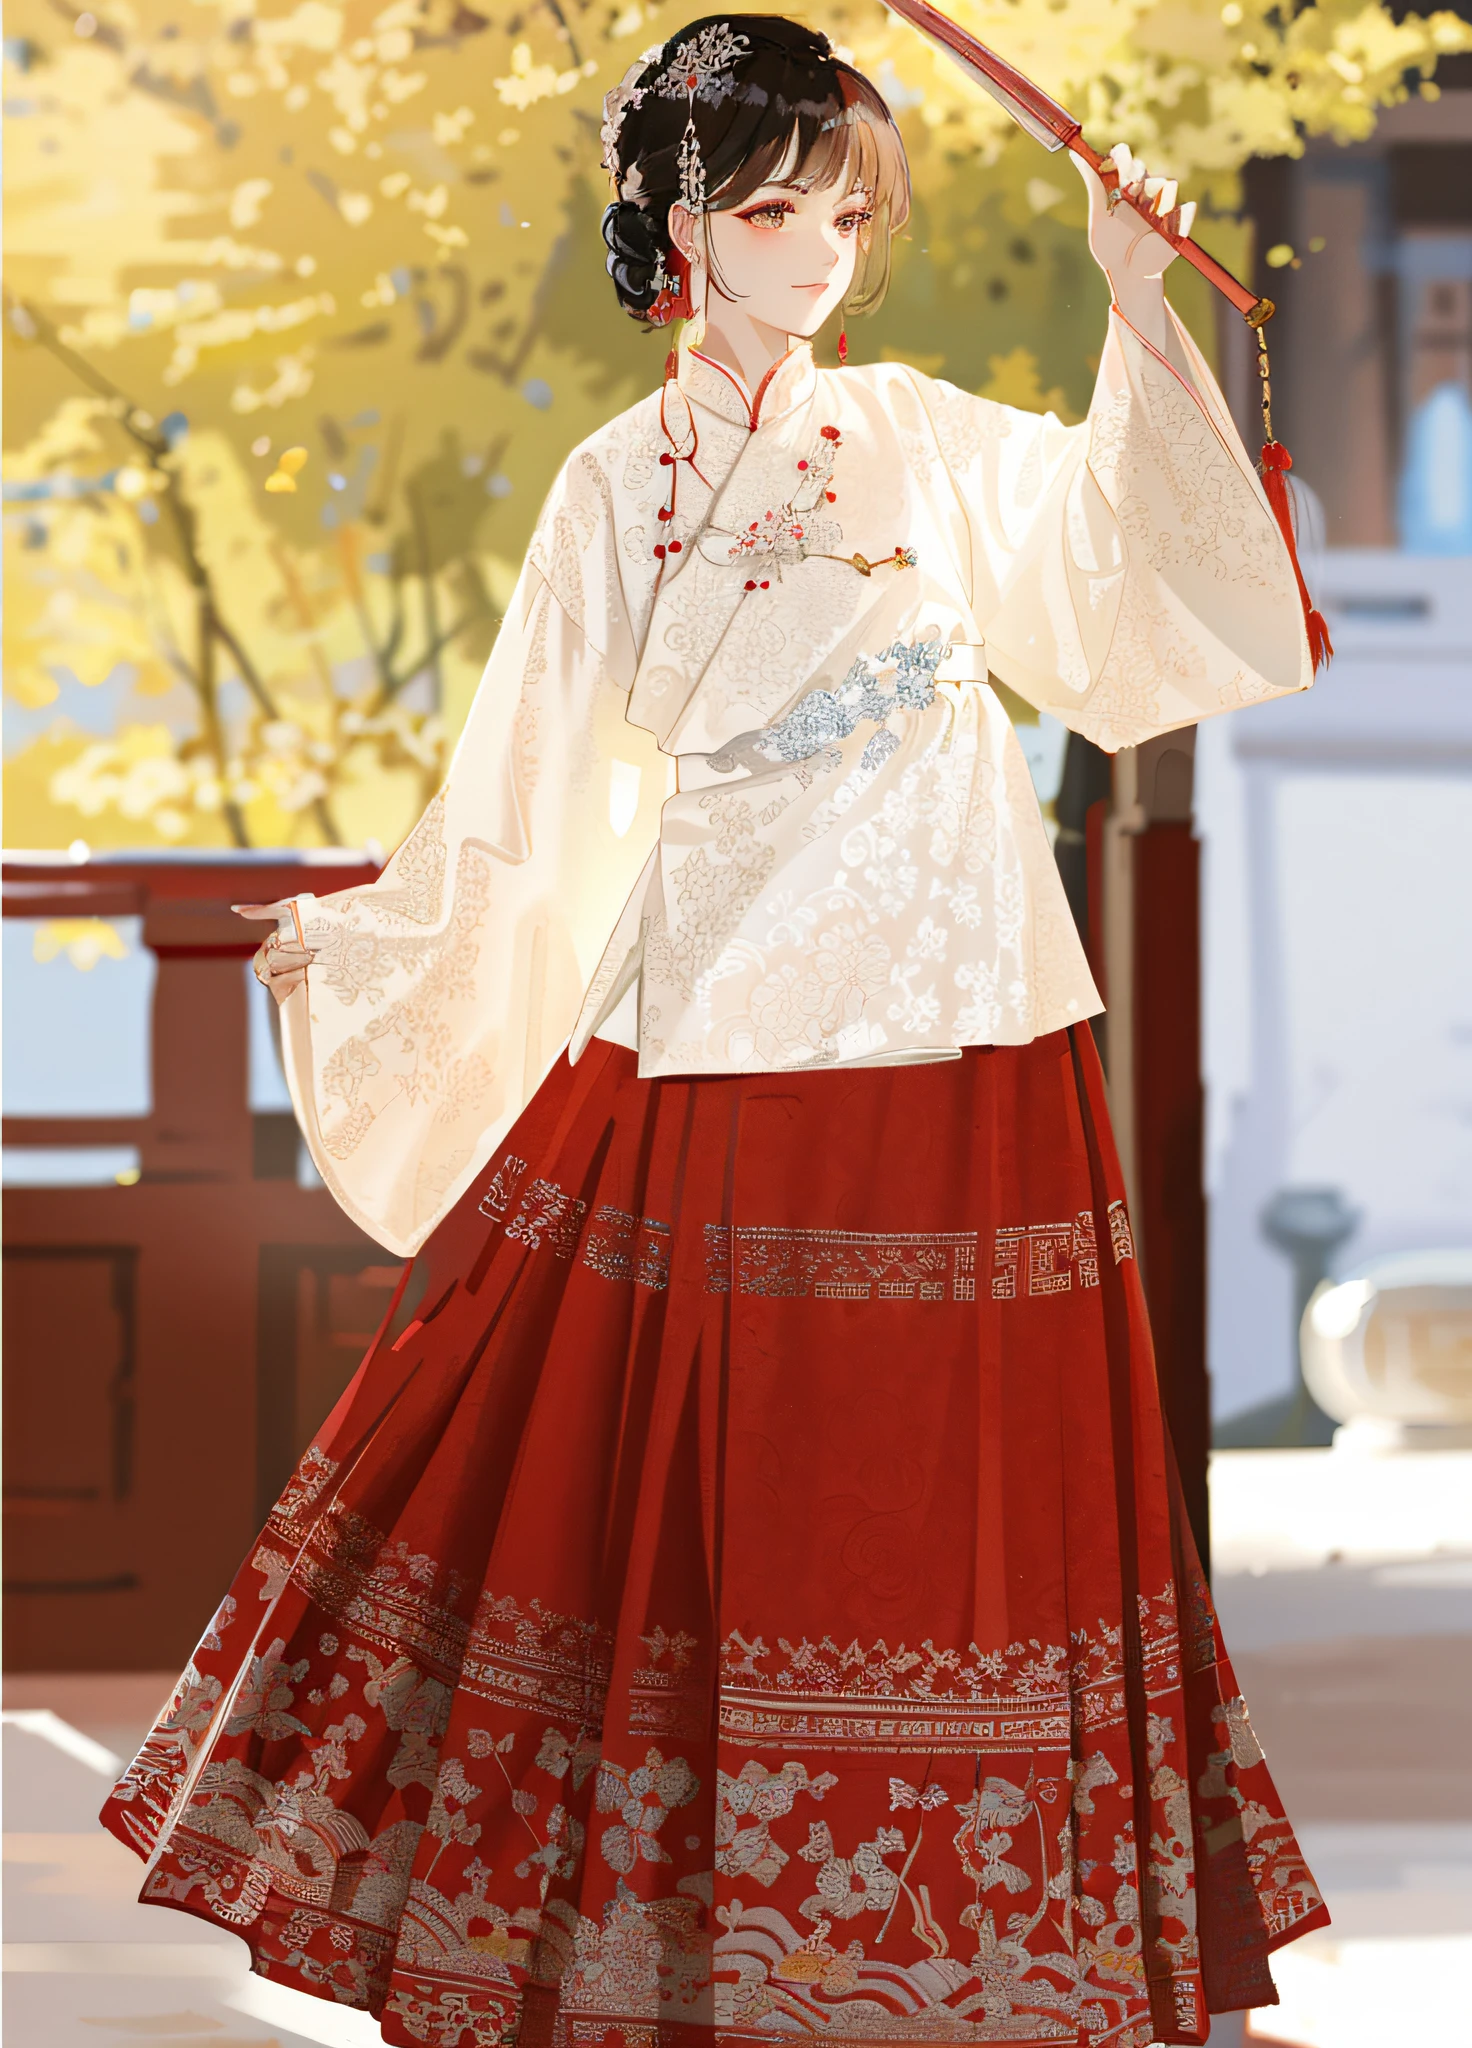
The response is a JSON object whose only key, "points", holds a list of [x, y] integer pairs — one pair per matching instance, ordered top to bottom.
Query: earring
{"points": [[672, 291], [698, 304], [842, 336]]}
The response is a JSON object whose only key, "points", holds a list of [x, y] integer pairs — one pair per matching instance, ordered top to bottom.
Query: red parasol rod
{"points": [[1056, 128]]}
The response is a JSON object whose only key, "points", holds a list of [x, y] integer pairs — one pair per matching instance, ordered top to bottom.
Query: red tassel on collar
{"points": [[1274, 467]]}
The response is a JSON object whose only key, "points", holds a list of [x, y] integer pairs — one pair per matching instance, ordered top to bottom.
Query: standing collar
{"points": [[708, 383]]}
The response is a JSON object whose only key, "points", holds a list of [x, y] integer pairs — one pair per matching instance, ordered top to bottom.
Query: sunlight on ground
{"points": [[1345, 1588], [1370, 1994]]}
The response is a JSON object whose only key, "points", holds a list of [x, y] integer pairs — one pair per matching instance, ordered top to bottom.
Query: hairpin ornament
{"points": [[700, 69], [627, 93], [692, 170]]}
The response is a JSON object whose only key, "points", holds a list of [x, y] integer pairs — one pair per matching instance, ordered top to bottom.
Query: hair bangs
{"points": [[861, 146], [865, 151]]}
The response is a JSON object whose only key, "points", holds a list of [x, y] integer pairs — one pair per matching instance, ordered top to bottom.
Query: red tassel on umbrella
{"points": [[1276, 462]]}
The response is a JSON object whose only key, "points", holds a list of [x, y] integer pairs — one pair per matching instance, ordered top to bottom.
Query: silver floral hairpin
{"points": [[701, 69]]}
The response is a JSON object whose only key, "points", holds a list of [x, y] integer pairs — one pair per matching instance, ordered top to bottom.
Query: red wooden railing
{"points": [[169, 1345]]}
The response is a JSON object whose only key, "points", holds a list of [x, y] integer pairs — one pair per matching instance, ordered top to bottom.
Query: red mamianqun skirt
{"points": [[749, 1598]]}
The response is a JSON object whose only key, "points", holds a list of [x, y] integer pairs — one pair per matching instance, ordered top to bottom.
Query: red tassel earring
{"points": [[672, 298], [842, 336], [1274, 467]]}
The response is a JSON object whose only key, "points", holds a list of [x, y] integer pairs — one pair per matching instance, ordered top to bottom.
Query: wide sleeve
{"points": [[1127, 573], [439, 997]]}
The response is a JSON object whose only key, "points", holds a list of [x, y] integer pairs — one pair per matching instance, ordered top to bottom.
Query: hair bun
{"points": [[636, 249]]}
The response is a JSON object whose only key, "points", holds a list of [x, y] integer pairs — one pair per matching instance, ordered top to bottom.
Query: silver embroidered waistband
{"points": [[902, 678]]}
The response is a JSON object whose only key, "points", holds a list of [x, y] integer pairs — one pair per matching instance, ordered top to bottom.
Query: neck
{"points": [[747, 346]]}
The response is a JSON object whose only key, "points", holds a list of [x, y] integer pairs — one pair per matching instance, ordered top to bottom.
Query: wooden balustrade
{"points": [[169, 1345]]}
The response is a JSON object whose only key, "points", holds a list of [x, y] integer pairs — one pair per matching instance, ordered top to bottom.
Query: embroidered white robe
{"points": [[729, 799]]}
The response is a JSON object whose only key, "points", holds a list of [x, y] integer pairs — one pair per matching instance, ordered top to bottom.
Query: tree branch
{"points": [[554, 8], [212, 626], [431, 660], [394, 683]]}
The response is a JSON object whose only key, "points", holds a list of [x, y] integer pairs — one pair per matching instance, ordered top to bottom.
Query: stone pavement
{"points": [[1345, 1585], [85, 1965]]}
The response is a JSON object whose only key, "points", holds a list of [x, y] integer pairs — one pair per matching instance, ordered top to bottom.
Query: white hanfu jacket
{"points": [[734, 790]]}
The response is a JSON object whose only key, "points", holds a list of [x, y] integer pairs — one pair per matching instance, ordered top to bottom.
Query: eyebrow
{"points": [[804, 186]]}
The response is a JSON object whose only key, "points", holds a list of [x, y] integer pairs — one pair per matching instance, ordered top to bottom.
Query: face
{"points": [[784, 258]]}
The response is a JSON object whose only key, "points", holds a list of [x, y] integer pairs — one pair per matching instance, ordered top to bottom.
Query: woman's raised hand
{"points": [[1129, 251]]}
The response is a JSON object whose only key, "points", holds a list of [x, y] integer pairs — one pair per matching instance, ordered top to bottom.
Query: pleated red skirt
{"points": [[751, 1596]]}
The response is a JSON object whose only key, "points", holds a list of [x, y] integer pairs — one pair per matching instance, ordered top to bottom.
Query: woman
{"points": [[751, 1593]]}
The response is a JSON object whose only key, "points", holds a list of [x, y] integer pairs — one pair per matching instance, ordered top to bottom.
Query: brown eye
{"points": [[769, 216]]}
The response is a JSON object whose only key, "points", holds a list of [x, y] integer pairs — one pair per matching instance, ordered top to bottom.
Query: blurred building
{"points": [[1338, 828]]}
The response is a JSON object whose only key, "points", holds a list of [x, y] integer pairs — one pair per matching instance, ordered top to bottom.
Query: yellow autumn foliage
{"points": [[305, 303]]}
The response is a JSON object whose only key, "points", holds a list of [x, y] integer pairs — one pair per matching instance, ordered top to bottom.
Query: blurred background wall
{"points": [[1336, 920]]}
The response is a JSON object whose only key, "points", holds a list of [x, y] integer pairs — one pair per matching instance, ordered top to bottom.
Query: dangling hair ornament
{"points": [[701, 70]]}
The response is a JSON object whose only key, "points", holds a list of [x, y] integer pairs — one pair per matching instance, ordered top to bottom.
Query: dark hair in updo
{"points": [[794, 111]]}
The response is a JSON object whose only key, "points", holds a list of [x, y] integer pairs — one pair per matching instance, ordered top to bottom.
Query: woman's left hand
{"points": [[1126, 248], [279, 964]]}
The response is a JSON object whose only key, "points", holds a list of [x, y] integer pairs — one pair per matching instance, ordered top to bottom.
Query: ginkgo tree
{"points": [[305, 304]]}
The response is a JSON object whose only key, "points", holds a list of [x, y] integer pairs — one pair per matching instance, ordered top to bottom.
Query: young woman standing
{"points": [[751, 1595]]}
